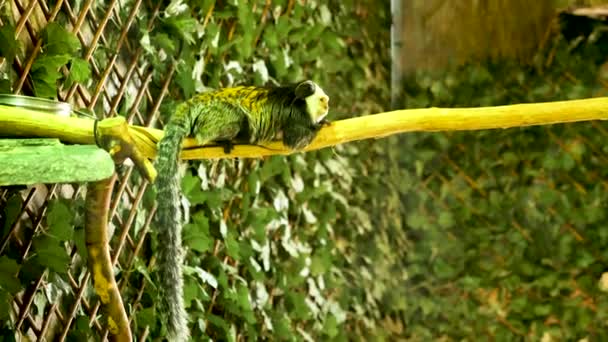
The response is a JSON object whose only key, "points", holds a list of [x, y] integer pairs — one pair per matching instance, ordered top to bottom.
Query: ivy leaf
{"points": [[246, 21], [182, 26], [59, 41], [163, 41], [10, 46], [60, 46], [48, 64], [80, 71], [45, 74], [185, 80], [6, 86], [44, 88], [191, 188], [149, 197], [214, 198], [12, 207], [60, 219], [446, 219], [417, 220], [196, 234], [80, 242], [232, 247], [50, 253], [321, 262], [141, 268], [443, 269], [9, 270], [31, 271], [203, 275], [193, 291], [6, 301], [243, 302], [296, 304], [146, 317], [220, 323], [282, 327], [331, 328], [80, 330]]}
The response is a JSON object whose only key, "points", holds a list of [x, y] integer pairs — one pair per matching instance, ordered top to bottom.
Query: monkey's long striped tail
{"points": [[169, 220]]}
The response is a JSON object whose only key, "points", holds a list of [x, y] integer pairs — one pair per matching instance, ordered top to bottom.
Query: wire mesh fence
{"points": [[120, 82]]}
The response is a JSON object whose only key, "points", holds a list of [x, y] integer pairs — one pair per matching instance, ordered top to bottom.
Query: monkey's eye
{"points": [[305, 89]]}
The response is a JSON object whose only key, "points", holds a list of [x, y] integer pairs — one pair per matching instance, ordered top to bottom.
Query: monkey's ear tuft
{"points": [[305, 89]]}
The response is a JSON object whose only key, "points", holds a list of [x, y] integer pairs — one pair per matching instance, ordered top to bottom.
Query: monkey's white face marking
{"points": [[317, 104]]}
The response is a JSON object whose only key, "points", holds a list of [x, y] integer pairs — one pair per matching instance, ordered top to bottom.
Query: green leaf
{"points": [[206, 5], [246, 21], [182, 26], [270, 38], [58, 41], [163, 41], [332, 42], [10, 45], [48, 65], [80, 70], [45, 74], [185, 80], [6, 86], [44, 88], [191, 188], [149, 197], [215, 198], [12, 208], [259, 219], [60, 220], [446, 220], [417, 221], [196, 234], [80, 242], [232, 247], [50, 253], [321, 262], [141, 268], [9, 270], [443, 270], [31, 271], [193, 291], [6, 301], [244, 304], [297, 306], [542, 310], [146, 317], [219, 322], [282, 326], [330, 328], [80, 329]]}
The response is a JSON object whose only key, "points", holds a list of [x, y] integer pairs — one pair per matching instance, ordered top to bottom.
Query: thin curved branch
{"points": [[99, 260]]}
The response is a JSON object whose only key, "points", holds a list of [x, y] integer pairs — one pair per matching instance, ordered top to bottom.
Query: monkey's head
{"points": [[317, 102]]}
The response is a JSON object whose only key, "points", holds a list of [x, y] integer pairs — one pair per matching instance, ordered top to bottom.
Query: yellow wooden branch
{"points": [[426, 119], [19, 122], [22, 122]]}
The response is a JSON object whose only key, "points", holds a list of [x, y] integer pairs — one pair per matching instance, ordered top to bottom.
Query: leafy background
{"points": [[453, 236]]}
